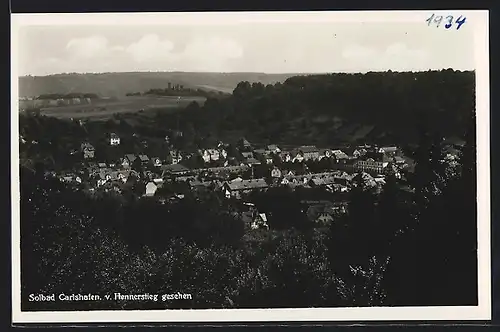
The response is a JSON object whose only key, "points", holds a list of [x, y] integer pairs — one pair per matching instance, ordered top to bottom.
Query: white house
{"points": [[114, 139], [273, 148], [388, 150], [222, 153], [325, 153], [210, 154], [297, 156], [174, 157], [285, 157], [156, 161], [276, 172], [151, 188], [260, 221]]}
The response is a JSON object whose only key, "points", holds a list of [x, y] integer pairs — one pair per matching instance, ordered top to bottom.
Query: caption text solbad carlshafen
{"points": [[114, 297]]}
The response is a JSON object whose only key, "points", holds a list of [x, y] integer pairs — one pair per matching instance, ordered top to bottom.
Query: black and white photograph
{"points": [[250, 167]]}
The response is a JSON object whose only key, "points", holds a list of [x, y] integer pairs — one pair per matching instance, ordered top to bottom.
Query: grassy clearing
{"points": [[103, 109]]}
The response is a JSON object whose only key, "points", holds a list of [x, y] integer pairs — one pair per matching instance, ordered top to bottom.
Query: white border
{"points": [[476, 19]]}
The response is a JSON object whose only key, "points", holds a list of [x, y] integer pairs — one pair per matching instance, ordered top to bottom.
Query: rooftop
{"points": [[308, 149], [174, 168], [247, 184]]}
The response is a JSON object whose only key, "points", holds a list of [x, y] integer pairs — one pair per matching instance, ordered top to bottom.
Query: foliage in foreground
{"points": [[398, 248]]}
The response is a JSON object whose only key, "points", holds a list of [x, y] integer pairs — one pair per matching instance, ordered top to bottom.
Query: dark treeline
{"points": [[182, 92], [320, 109], [402, 247]]}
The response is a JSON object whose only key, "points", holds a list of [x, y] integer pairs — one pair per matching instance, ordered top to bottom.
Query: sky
{"points": [[282, 46]]}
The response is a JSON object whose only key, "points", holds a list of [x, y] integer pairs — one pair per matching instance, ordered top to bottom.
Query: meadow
{"points": [[103, 109]]}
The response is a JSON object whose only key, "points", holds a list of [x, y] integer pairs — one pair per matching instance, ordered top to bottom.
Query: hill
{"points": [[119, 84], [376, 107]]}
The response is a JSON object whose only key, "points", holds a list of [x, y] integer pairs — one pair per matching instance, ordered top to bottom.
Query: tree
{"points": [[438, 253]]}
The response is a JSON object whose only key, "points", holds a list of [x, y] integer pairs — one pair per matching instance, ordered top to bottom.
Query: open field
{"points": [[119, 84], [215, 88], [106, 108]]}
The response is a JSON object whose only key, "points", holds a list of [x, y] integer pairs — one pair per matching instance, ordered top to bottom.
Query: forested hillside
{"points": [[384, 107]]}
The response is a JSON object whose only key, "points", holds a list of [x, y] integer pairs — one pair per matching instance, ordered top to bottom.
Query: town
{"points": [[233, 171]]}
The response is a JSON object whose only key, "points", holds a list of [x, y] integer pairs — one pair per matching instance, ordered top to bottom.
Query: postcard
{"points": [[250, 167]]}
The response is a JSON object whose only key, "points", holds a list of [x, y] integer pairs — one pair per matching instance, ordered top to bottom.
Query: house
{"points": [[114, 139], [244, 144], [273, 148], [88, 150], [388, 150], [259, 152], [309, 152], [222, 153], [325, 153], [359, 153], [247, 154], [209, 155], [264, 155], [340, 155], [296, 156], [174, 157], [285, 157], [268, 158], [144, 159], [128, 160], [399, 160], [156, 161], [252, 161], [101, 165], [370, 166], [174, 169], [219, 170], [275, 172], [109, 175], [148, 175], [123, 176], [67, 178], [184, 178], [365, 179], [158, 181], [285, 181], [322, 181], [379, 181], [151, 188], [236, 188], [324, 218], [260, 221]]}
